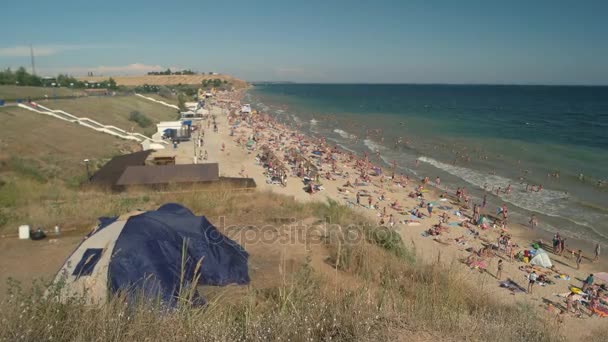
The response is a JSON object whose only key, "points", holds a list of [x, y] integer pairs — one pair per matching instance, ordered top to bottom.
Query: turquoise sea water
{"points": [[472, 136]]}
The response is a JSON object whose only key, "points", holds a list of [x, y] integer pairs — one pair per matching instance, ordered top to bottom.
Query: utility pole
{"points": [[33, 64]]}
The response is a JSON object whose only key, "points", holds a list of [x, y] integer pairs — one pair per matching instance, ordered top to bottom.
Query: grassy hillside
{"points": [[12, 93], [115, 110], [40, 157], [319, 288]]}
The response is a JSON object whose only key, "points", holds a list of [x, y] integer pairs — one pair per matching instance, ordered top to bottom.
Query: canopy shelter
{"points": [[541, 259]]}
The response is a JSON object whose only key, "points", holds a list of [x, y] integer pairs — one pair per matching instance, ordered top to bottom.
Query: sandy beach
{"points": [[240, 142]]}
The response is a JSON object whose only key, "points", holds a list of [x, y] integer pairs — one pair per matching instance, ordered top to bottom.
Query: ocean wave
{"points": [[296, 119], [344, 134], [373, 146], [347, 149], [389, 162], [536, 201], [547, 202]]}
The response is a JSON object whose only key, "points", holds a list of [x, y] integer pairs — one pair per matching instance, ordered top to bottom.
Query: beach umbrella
{"points": [[601, 276]]}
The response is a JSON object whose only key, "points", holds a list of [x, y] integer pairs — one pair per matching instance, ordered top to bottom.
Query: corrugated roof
{"points": [[169, 174]]}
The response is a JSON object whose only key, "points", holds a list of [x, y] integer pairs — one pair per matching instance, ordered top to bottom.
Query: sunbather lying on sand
{"points": [[417, 213], [437, 230]]}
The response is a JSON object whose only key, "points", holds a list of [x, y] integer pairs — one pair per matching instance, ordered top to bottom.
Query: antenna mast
{"points": [[33, 64]]}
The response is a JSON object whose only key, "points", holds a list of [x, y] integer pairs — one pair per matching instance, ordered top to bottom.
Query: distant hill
{"points": [[165, 79], [13, 92]]}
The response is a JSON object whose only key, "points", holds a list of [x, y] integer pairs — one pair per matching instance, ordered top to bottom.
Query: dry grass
{"points": [[166, 80], [11, 93], [115, 110], [57, 147], [41, 163], [389, 295]]}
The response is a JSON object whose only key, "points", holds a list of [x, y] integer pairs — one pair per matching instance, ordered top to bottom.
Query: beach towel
{"points": [[413, 223], [454, 224], [479, 264], [600, 311]]}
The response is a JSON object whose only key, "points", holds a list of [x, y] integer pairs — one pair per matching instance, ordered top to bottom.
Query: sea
{"points": [[481, 137]]}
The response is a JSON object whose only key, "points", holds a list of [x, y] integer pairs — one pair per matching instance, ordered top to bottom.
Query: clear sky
{"points": [[452, 41]]}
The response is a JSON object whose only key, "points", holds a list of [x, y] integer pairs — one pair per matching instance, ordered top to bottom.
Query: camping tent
{"points": [[152, 254], [541, 259]]}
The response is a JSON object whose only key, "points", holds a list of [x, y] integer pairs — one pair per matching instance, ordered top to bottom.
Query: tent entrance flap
{"points": [[87, 263]]}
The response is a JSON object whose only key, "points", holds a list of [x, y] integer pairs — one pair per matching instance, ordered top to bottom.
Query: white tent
{"points": [[541, 259]]}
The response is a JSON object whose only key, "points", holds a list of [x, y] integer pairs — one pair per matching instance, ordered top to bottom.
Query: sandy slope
{"points": [[165, 79]]}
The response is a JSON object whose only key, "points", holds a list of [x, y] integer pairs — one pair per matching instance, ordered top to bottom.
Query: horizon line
{"points": [[436, 83]]}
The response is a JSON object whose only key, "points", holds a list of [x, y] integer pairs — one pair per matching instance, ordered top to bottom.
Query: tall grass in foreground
{"points": [[389, 295], [301, 309]]}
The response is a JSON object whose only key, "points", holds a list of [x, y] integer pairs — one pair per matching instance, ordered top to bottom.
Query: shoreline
{"points": [[561, 207], [517, 229], [579, 235], [451, 246]]}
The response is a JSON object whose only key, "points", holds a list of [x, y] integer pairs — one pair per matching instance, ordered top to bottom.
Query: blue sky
{"points": [[459, 41]]}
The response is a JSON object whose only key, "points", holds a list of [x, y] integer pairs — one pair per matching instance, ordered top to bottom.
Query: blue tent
{"points": [[153, 254]]}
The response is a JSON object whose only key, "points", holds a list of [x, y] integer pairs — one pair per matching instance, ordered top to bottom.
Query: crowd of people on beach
{"points": [[314, 163]]}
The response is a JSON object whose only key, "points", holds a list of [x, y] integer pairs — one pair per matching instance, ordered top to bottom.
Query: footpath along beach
{"points": [[287, 162]]}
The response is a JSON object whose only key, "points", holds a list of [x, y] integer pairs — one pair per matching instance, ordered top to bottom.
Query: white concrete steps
{"points": [[158, 101], [90, 123]]}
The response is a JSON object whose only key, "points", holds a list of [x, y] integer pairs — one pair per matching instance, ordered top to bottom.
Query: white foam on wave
{"points": [[313, 121], [344, 134], [373, 146], [347, 149], [389, 162], [548, 202]]}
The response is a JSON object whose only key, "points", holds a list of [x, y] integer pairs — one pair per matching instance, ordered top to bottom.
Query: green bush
{"points": [[142, 120], [27, 167]]}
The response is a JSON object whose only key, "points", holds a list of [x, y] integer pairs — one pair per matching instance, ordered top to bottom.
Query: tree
{"points": [[7, 76], [21, 76], [112, 84], [181, 102], [139, 118]]}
